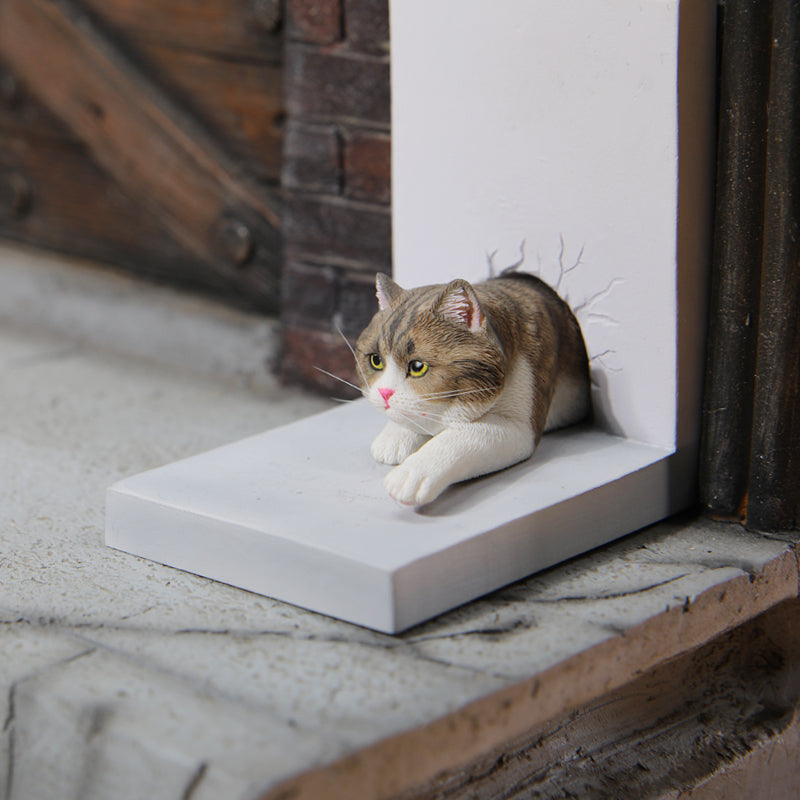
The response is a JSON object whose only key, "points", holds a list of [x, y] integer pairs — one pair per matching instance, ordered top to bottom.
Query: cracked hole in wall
{"points": [[567, 274], [590, 310]]}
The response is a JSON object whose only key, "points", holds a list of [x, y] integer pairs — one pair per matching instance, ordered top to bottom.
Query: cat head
{"points": [[429, 356]]}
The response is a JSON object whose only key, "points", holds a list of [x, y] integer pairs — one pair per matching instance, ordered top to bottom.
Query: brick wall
{"points": [[336, 179]]}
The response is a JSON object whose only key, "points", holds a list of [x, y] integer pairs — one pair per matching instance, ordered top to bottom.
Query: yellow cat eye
{"points": [[375, 361], [416, 369]]}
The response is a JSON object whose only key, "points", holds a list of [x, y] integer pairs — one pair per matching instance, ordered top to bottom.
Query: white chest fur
{"points": [[458, 444]]}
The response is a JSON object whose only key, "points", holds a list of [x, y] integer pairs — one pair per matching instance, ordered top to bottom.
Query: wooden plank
{"points": [[240, 28], [240, 101], [21, 112], [155, 151], [52, 195], [73, 207], [733, 314], [774, 497]]}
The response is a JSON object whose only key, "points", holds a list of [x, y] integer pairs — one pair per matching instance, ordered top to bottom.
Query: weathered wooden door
{"points": [[146, 133]]}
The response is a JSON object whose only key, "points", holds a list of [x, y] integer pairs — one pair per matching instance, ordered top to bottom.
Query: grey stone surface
{"points": [[74, 298], [534, 624], [122, 678]]}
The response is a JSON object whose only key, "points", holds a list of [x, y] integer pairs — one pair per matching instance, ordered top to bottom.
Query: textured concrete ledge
{"points": [[113, 312], [568, 636], [121, 678]]}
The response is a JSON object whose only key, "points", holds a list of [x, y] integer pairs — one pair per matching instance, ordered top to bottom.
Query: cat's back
{"points": [[521, 307], [534, 322]]}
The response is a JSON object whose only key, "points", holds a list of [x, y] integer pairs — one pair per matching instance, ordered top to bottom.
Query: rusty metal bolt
{"points": [[16, 195], [237, 241]]}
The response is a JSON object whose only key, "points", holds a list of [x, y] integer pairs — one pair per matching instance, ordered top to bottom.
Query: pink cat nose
{"points": [[386, 394]]}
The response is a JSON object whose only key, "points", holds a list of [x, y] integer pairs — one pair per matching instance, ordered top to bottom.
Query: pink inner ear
{"points": [[383, 300], [459, 307]]}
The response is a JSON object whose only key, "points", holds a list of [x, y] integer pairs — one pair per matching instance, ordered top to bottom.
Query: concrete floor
{"points": [[122, 678]]}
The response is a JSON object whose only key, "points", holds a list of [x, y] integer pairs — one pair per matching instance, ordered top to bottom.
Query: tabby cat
{"points": [[468, 378]]}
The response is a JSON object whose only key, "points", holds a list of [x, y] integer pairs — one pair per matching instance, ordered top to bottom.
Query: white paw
{"points": [[393, 445], [413, 486]]}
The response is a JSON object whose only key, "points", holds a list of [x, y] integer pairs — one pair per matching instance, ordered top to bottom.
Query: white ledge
{"points": [[300, 514]]}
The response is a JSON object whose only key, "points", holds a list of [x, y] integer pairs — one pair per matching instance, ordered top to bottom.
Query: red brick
{"points": [[315, 21], [366, 25], [336, 85], [337, 97], [312, 159], [367, 166], [333, 229], [309, 294], [357, 303], [306, 350]]}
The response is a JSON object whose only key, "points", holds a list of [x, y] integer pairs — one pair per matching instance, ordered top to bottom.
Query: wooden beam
{"points": [[240, 28], [160, 156], [736, 262], [774, 496]]}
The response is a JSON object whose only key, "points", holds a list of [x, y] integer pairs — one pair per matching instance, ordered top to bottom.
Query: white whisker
{"points": [[355, 357], [337, 378], [451, 393], [414, 413], [429, 415], [416, 423]]}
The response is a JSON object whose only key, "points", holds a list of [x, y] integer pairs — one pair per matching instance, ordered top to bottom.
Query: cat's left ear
{"points": [[387, 291], [459, 303]]}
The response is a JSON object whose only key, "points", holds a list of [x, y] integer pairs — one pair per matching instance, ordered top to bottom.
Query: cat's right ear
{"points": [[387, 290]]}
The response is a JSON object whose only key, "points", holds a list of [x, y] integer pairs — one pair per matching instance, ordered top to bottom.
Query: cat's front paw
{"points": [[394, 444], [412, 486]]}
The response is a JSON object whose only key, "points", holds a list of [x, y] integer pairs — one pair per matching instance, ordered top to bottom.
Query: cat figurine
{"points": [[468, 378]]}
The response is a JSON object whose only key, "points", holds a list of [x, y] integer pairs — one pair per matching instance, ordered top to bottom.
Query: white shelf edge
{"points": [[401, 566]]}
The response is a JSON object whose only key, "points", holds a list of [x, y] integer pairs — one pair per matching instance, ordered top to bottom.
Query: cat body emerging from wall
{"points": [[468, 378]]}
